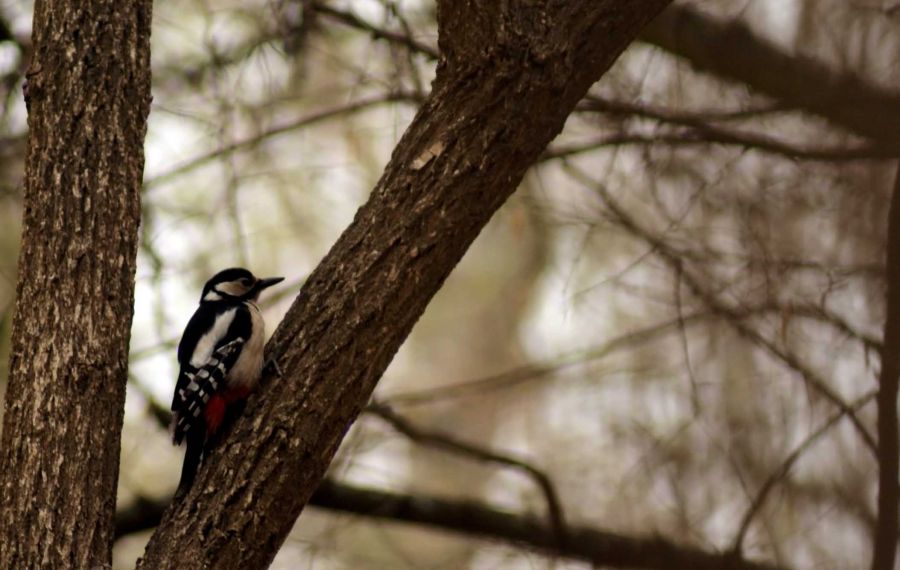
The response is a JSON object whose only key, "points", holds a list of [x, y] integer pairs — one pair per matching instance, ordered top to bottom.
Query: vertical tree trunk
{"points": [[509, 75], [88, 96], [884, 550]]}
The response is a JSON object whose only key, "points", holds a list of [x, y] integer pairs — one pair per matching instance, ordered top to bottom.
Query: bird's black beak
{"points": [[268, 282]]}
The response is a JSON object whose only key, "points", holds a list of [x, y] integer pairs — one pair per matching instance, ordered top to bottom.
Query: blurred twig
{"points": [[393, 9], [354, 21], [600, 104], [315, 117], [698, 129], [748, 141], [874, 270], [729, 315], [541, 369], [161, 414], [453, 445], [785, 468]]}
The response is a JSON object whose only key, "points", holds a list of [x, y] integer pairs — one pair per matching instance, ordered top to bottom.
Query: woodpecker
{"points": [[221, 360]]}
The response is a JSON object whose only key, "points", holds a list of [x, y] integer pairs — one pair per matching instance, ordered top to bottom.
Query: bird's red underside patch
{"points": [[214, 414]]}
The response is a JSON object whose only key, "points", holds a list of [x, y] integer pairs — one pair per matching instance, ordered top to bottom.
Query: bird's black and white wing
{"points": [[210, 346], [201, 386]]}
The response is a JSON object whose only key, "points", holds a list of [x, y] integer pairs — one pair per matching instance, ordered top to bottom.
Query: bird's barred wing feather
{"points": [[196, 388]]}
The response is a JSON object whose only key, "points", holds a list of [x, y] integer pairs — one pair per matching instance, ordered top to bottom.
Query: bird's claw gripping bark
{"points": [[271, 367]]}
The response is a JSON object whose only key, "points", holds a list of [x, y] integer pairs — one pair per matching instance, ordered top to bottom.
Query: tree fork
{"points": [[509, 75]]}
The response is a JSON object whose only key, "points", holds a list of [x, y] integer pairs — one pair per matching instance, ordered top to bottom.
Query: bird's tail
{"points": [[192, 457]]}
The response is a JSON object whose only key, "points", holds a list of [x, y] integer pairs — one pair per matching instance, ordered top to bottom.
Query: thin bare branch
{"points": [[354, 21], [598, 104], [305, 121], [714, 135], [812, 312], [546, 368], [542, 369], [813, 380], [453, 445], [785, 468]]}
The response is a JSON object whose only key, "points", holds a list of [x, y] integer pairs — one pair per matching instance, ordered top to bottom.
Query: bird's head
{"points": [[236, 284]]}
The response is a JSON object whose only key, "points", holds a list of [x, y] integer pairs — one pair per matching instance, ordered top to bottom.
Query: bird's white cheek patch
{"points": [[233, 288]]}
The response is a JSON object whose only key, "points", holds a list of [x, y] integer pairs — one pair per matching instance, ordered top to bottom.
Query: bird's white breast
{"points": [[247, 369]]}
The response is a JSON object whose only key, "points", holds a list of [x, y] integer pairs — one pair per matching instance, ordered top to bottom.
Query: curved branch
{"points": [[846, 99], [452, 445], [477, 521], [597, 547]]}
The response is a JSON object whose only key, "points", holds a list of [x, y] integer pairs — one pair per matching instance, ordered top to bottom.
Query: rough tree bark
{"points": [[509, 75], [88, 96]]}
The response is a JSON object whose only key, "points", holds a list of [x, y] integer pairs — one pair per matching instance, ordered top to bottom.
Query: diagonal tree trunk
{"points": [[509, 75], [88, 96]]}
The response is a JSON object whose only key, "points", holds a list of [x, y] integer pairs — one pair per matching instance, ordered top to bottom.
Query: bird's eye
{"points": [[246, 281]]}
